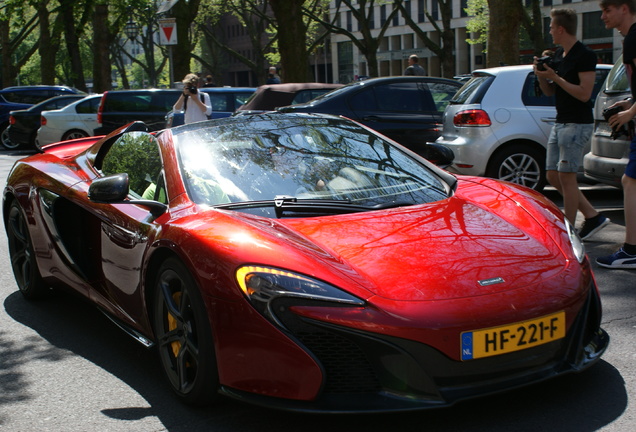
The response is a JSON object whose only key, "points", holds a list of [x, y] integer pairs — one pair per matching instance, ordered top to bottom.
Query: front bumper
{"points": [[367, 372]]}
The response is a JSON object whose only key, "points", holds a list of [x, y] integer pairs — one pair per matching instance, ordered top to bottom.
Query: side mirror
{"points": [[440, 155], [109, 189], [114, 189]]}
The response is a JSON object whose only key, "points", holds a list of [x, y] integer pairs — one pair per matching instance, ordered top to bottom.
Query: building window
{"points": [[462, 8], [421, 11], [382, 15], [349, 21], [593, 27]]}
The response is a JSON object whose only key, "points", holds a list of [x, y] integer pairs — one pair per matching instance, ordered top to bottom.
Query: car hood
{"points": [[454, 248]]}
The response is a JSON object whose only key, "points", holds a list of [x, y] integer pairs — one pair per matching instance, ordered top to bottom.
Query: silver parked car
{"points": [[76, 120], [498, 124], [608, 156]]}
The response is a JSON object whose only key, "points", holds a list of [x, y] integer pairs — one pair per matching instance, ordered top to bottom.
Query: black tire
{"points": [[74, 134], [6, 141], [520, 164], [25, 268], [183, 335]]}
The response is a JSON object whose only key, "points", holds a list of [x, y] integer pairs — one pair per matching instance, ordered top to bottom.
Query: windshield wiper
{"points": [[289, 204]]}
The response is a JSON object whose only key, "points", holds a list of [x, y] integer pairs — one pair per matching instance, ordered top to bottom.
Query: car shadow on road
{"points": [[66, 326]]}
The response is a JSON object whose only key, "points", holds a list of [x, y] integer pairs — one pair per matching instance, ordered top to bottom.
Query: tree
{"points": [[362, 11], [185, 12], [252, 14], [18, 22], [482, 24], [292, 38], [444, 51]]}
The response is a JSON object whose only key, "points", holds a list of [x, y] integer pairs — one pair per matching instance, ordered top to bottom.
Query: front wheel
{"points": [[520, 164], [25, 268], [183, 335]]}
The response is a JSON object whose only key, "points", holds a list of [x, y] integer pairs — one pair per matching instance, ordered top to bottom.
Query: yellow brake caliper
{"points": [[172, 324]]}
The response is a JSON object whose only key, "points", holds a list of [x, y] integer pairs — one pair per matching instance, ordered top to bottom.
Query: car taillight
{"points": [[101, 108], [473, 117], [11, 120], [42, 121]]}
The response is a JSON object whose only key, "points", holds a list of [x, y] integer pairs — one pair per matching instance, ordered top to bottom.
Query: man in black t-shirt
{"points": [[621, 15], [570, 78]]}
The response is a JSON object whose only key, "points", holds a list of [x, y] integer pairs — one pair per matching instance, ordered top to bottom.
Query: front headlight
{"points": [[577, 244], [264, 285]]}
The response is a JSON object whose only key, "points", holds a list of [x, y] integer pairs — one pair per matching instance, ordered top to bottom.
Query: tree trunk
{"points": [[184, 13], [503, 37], [292, 39], [72, 45], [48, 46], [102, 80]]}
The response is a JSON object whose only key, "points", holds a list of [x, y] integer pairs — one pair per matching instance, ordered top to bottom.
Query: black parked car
{"points": [[22, 97], [120, 107], [407, 109], [24, 124]]}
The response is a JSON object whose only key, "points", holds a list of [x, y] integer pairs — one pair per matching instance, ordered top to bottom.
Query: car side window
{"points": [[442, 93], [532, 95], [28, 96], [404, 97], [364, 101], [219, 102], [87, 107], [138, 155]]}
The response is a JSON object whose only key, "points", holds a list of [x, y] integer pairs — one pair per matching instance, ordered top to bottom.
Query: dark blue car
{"points": [[23, 97], [225, 100]]}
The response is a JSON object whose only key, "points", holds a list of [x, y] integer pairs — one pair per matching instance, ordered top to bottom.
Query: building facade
{"points": [[399, 41]]}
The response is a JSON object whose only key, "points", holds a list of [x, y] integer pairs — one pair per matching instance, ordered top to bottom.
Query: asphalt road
{"points": [[65, 367]]}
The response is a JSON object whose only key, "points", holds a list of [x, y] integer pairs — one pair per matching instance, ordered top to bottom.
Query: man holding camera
{"points": [[621, 15], [570, 76], [195, 104]]}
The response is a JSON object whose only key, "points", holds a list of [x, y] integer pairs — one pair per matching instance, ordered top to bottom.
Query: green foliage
{"points": [[478, 24]]}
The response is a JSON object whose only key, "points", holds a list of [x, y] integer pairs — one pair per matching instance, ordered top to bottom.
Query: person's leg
{"points": [[571, 195], [625, 257]]}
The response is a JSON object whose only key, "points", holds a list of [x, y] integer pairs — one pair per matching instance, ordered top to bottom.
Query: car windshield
{"points": [[617, 81], [272, 159]]}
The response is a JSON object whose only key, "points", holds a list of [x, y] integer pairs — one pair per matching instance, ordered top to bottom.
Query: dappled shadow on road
{"points": [[578, 402]]}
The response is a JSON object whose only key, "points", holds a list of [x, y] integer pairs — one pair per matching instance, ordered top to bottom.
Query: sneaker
{"points": [[593, 225], [618, 260]]}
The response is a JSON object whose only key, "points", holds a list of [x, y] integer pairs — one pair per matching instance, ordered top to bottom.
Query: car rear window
{"points": [[474, 90], [28, 96]]}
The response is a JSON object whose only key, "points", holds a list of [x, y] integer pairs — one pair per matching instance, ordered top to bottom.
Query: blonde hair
{"points": [[191, 79]]}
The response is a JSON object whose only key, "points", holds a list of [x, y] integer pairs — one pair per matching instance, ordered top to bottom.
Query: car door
{"points": [[540, 106], [405, 111], [87, 113], [127, 230]]}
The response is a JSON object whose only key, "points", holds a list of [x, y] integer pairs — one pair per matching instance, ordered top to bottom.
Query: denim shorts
{"points": [[566, 144], [630, 169]]}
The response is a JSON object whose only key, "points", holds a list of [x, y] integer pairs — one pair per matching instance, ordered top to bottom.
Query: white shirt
{"points": [[193, 113]]}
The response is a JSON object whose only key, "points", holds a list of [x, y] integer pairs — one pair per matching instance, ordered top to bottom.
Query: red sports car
{"points": [[306, 262]]}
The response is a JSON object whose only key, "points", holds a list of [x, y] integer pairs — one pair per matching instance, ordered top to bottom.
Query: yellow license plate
{"points": [[512, 337]]}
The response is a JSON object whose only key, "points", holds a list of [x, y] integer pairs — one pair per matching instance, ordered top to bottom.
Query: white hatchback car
{"points": [[77, 120], [498, 124]]}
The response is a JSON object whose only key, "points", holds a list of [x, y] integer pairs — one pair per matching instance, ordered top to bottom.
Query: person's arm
{"points": [[581, 91], [178, 105], [202, 105], [629, 107]]}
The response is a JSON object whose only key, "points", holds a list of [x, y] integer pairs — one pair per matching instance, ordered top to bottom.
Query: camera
{"points": [[543, 61], [192, 89], [627, 129]]}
